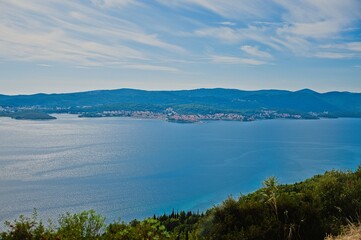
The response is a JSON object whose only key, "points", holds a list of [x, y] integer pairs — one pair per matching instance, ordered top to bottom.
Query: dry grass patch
{"points": [[351, 232]]}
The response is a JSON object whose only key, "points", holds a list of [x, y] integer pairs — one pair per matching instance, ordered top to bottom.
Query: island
{"points": [[26, 115]]}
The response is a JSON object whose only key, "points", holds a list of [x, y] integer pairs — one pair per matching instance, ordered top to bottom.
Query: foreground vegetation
{"points": [[317, 208]]}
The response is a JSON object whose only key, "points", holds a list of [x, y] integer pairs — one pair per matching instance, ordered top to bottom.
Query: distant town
{"points": [[34, 113], [172, 116]]}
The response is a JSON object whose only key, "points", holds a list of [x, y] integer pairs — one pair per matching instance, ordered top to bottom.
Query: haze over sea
{"points": [[132, 168]]}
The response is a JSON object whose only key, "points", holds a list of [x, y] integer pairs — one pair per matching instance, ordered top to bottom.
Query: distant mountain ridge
{"points": [[305, 100]]}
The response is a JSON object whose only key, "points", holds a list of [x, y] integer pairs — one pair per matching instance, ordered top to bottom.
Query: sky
{"points": [[58, 46]]}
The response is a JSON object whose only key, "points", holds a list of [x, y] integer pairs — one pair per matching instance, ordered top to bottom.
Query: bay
{"points": [[131, 168]]}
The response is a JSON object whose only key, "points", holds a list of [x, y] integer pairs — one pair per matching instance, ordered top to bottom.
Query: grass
{"points": [[350, 232]]}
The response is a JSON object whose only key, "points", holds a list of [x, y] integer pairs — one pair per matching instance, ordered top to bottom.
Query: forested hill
{"points": [[305, 100]]}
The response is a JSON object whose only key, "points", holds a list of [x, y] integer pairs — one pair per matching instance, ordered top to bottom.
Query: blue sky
{"points": [[67, 45]]}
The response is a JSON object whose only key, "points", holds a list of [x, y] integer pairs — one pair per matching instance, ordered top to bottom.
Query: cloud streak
{"points": [[112, 3], [235, 9], [303, 26], [74, 33], [255, 52], [235, 60]]}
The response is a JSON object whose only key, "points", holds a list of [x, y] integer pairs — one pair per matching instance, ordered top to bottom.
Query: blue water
{"points": [[136, 168]]}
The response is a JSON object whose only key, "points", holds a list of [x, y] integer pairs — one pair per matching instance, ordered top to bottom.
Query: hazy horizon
{"points": [[190, 89]]}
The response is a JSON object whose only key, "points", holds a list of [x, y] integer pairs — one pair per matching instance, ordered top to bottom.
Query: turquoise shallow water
{"points": [[134, 168]]}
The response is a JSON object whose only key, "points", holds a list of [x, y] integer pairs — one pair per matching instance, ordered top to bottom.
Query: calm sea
{"points": [[131, 168]]}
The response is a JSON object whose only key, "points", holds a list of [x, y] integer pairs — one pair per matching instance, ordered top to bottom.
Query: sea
{"points": [[133, 168]]}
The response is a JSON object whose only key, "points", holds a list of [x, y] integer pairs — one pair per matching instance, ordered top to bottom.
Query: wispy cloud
{"points": [[112, 3], [235, 9], [308, 18], [319, 18], [227, 23], [301, 28], [74, 33], [222, 33], [264, 35], [351, 46], [354, 46], [340, 51], [255, 52], [333, 55], [235, 60], [44, 65], [150, 67]]}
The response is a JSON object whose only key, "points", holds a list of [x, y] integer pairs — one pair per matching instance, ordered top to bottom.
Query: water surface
{"points": [[136, 168]]}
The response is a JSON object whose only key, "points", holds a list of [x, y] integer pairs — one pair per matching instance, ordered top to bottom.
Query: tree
{"points": [[270, 193], [85, 225]]}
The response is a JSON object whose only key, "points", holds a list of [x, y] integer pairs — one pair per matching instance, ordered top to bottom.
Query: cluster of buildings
{"points": [[124, 113], [134, 114], [173, 116], [205, 117]]}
